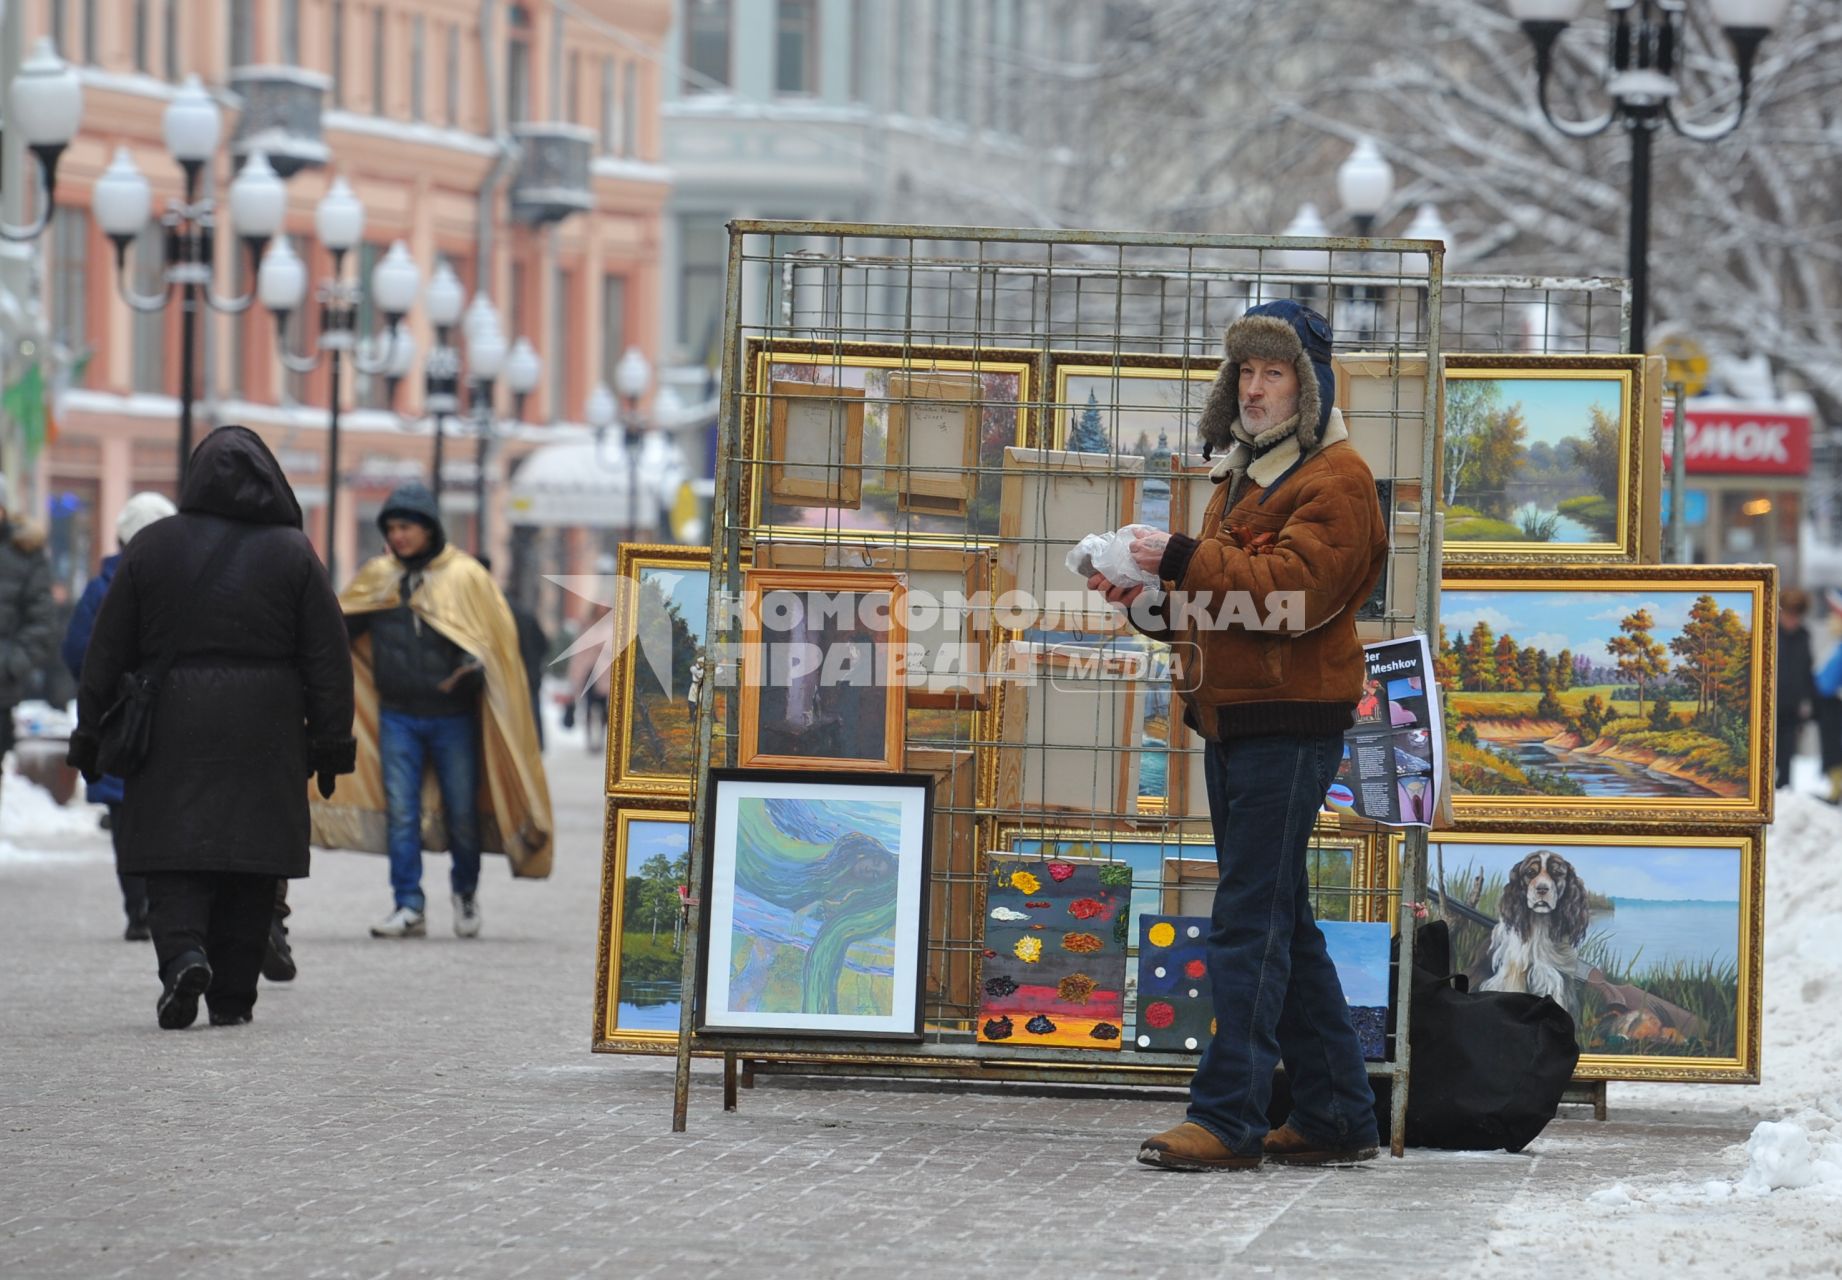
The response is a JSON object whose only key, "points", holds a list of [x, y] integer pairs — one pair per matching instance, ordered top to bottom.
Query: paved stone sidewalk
{"points": [[430, 1108]]}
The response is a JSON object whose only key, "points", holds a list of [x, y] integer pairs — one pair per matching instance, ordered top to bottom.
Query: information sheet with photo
{"points": [[1394, 755]]}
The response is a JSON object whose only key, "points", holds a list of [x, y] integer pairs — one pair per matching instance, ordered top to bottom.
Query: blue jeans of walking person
{"points": [[407, 743], [1277, 996]]}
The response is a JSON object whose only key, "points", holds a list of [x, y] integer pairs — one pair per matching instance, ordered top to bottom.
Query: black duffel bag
{"points": [[1489, 1067]]}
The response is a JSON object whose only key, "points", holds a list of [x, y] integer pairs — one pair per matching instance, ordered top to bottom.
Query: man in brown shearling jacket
{"points": [[1261, 610]]}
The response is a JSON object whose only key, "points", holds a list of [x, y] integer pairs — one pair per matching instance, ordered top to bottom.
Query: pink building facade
{"points": [[429, 110]]}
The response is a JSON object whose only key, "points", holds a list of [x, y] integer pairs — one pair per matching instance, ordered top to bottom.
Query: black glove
{"points": [[81, 756], [327, 781]]}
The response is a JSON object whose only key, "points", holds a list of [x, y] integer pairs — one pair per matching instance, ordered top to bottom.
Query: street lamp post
{"points": [[1640, 77], [46, 106], [1365, 180], [123, 201], [339, 221], [445, 300], [486, 352], [523, 369], [632, 376]]}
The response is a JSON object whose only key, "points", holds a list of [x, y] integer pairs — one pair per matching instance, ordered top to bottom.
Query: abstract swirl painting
{"points": [[815, 900]]}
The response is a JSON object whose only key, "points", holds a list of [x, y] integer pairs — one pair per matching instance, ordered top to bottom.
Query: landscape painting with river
{"points": [[1539, 456], [1607, 692]]}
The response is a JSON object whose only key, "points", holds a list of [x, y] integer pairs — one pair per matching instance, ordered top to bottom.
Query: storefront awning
{"points": [[585, 484]]}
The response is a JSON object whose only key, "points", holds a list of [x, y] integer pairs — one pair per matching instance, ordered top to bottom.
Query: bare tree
{"points": [[1224, 115]]}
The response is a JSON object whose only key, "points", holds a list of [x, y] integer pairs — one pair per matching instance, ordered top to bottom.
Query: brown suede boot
{"points": [[1285, 1145], [1192, 1149]]}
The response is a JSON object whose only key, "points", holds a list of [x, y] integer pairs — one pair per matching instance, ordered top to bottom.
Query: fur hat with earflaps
{"points": [[1282, 330]]}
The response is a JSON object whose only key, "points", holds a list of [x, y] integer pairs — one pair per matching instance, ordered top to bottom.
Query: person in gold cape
{"points": [[447, 749]]}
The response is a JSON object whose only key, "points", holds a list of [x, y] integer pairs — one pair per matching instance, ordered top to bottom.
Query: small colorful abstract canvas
{"points": [[1360, 952], [1054, 969], [1175, 1013]]}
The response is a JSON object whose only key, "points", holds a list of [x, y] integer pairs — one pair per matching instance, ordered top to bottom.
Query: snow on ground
{"points": [[27, 812]]}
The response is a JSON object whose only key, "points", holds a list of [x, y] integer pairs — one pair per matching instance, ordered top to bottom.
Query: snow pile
{"points": [[27, 810], [1805, 1151]]}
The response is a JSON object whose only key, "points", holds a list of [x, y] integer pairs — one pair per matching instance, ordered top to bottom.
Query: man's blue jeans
{"points": [[407, 743], [1277, 996]]}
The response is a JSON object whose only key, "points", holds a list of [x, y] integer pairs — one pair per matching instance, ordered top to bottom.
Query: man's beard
{"points": [[1267, 414]]}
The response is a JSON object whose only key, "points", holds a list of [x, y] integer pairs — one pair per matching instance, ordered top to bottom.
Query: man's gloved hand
{"points": [[327, 781]]}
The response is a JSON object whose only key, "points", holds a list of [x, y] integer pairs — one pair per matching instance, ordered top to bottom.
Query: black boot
{"points": [[278, 958], [178, 1006]]}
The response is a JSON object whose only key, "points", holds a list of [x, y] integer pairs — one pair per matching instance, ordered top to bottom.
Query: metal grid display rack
{"points": [[1079, 362]]}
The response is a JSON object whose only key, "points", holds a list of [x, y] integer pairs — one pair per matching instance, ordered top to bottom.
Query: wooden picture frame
{"points": [[1382, 396], [1006, 408], [1573, 443], [815, 445], [933, 448], [662, 594], [957, 642], [790, 709], [1562, 726], [1068, 731], [1351, 884], [775, 904], [1675, 924], [634, 1013]]}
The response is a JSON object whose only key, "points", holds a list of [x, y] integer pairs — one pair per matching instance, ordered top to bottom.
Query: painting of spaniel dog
{"points": [[1541, 921]]}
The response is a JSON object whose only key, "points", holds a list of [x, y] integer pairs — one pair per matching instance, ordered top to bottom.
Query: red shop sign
{"points": [[1743, 441]]}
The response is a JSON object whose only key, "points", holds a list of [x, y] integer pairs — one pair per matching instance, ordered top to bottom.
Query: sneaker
{"points": [[466, 916], [404, 922], [278, 958], [178, 1006], [1286, 1145], [1193, 1149]]}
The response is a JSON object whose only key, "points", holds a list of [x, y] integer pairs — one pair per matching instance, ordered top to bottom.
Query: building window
{"points": [[90, 32], [242, 34], [290, 34], [141, 35], [60, 36], [169, 40], [706, 45], [796, 47], [860, 51], [337, 52], [380, 60], [939, 64], [518, 66], [418, 73], [452, 84], [572, 101], [630, 111], [610, 121], [70, 230], [704, 249], [517, 313], [366, 323], [613, 325], [564, 355], [148, 358], [231, 374]]}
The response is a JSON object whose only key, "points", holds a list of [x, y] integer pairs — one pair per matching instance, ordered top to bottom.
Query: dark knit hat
{"points": [[1282, 330]]}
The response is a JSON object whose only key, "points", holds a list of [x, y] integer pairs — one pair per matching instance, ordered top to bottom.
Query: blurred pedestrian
{"points": [[136, 514], [26, 634], [533, 647], [590, 676], [1796, 679], [440, 686], [1828, 686], [256, 700]]}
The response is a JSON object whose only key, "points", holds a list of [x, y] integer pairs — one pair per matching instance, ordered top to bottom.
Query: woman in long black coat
{"points": [[258, 699]]}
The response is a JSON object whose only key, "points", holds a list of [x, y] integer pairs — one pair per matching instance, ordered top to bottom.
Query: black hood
{"points": [[233, 474], [413, 501]]}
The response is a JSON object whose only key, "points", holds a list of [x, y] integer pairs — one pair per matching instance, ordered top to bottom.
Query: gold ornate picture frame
{"points": [[1133, 397], [1545, 456], [659, 623], [1576, 694], [1654, 942], [639, 953]]}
